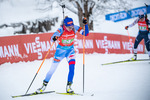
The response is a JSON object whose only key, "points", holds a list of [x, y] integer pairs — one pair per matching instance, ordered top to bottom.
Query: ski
{"points": [[123, 61], [69, 93], [32, 94], [78, 94]]}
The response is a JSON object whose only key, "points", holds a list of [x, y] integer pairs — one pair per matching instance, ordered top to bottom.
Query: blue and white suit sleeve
{"points": [[135, 22], [81, 31], [57, 33]]}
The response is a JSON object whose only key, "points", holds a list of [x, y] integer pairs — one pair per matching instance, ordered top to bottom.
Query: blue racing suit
{"points": [[65, 49]]}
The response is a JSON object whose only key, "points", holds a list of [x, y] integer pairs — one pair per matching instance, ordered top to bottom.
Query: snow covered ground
{"points": [[125, 81]]}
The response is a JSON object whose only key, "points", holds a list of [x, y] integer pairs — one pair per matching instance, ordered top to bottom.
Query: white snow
{"points": [[125, 81]]}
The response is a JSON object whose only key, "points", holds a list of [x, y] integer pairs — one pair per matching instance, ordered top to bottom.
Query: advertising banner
{"points": [[124, 15], [108, 43], [35, 46]]}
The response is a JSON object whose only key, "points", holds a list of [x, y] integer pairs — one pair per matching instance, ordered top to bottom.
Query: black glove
{"points": [[146, 16], [84, 20], [126, 27], [55, 38]]}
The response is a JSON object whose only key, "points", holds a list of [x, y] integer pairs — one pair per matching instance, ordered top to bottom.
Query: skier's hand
{"points": [[146, 16], [84, 20], [126, 27], [55, 38]]}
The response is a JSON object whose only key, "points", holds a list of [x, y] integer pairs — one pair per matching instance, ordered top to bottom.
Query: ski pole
{"points": [[63, 6], [146, 7], [146, 10], [129, 38], [83, 58], [39, 68]]}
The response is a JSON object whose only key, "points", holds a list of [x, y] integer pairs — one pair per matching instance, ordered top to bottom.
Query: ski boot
{"points": [[134, 57], [68, 88], [40, 90]]}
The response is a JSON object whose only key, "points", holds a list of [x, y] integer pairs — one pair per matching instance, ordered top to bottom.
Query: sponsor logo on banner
{"points": [[124, 15], [88, 44], [107, 44], [128, 45], [38, 47], [9, 51]]}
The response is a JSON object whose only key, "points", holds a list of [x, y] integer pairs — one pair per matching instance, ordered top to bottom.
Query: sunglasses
{"points": [[141, 16], [70, 27]]}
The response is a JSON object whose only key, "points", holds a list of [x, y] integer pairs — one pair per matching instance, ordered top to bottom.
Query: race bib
{"points": [[143, 28], [67, 41]]}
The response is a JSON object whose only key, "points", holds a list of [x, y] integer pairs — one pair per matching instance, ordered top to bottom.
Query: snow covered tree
{"points": [[90, 8]]}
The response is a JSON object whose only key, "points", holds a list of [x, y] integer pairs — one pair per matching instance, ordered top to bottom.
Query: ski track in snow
{"points": [[125, 81]]}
